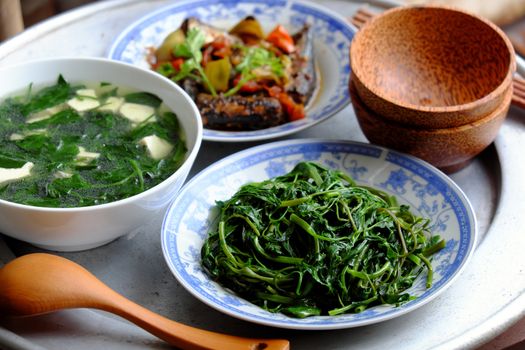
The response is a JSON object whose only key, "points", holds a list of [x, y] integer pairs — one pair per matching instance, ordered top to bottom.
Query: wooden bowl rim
{"points": [[439, 109], [492, 115]]}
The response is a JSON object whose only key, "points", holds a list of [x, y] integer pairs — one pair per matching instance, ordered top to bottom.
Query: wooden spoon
{"points": [[39, 283]]}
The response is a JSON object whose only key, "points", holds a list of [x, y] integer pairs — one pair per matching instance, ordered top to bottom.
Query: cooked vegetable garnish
{"points": [[191, 49], [240, 79], [313, 242]]}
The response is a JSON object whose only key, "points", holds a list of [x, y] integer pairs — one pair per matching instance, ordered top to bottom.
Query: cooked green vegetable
{"points": [[191, 49], [256, 60], [70, 146], [312, 242]]}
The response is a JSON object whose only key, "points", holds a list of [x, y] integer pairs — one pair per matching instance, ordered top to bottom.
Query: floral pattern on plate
{"points": [[428, 191]]}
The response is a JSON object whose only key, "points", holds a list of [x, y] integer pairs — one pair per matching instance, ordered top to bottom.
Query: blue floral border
{"points": [[312, 150]]}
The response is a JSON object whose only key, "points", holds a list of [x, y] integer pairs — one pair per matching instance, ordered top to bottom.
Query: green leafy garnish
{"points": [[191, 50], [254, 58], [166, 69], [312, 242]]}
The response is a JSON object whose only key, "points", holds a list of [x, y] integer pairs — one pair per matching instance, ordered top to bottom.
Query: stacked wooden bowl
{"points": [[431, 81]]}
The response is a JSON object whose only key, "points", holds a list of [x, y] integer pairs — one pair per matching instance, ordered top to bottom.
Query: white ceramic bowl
{"points": [[72, 229]]}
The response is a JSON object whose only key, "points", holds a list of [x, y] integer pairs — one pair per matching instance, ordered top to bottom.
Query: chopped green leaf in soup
{"points": [[73, 145]]}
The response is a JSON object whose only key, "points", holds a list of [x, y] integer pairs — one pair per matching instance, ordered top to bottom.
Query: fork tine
{"points": [[363, 14], [361, 17], [357, 23], [518, 80], [518, 83], [518, 93], [518, 101]]}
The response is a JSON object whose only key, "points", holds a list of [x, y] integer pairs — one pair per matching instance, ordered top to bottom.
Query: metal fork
{"points": [[361, 17]]}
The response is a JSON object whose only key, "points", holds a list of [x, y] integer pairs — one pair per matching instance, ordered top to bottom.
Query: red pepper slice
{"points": [[281, 39], [219, 43], [219, 48], [223, 52], [177, 62], [250, 86], [294, 110]]}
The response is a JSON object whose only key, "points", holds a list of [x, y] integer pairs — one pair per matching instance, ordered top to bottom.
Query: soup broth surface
{"points": [[83, 144]]}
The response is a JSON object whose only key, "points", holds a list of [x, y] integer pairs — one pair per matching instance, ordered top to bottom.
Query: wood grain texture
{"points": [[501, 12], [11, 21], [431, 67], [449, 149], [40, 283]]}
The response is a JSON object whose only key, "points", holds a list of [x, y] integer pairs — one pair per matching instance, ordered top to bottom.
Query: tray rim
{"points": [[475, 335]]}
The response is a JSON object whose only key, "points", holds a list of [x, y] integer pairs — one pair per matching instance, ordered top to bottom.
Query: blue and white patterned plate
{"points": [[333, 35], [428, 191]]}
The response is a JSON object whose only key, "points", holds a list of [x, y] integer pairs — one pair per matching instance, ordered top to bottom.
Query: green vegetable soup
{"points": [[74, 145], [313, 242]]}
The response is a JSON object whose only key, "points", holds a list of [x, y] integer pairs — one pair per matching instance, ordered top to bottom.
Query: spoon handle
{"points": [[40, 283], [183, 336]]}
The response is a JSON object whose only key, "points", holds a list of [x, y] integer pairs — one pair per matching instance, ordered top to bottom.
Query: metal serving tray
{"points": [[487, 298]]}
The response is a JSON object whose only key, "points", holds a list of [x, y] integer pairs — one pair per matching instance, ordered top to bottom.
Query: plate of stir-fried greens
{"points": [[255, 69], [318, 234]]}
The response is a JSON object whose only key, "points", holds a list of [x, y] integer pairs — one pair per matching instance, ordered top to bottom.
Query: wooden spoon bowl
{"points": [[431, 67], [40, 283]]}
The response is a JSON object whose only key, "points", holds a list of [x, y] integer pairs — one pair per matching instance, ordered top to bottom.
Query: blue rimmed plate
{"points": [[333, 35], [429, 192]]}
